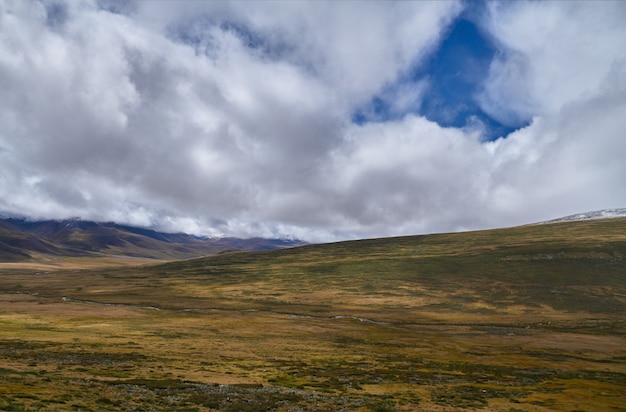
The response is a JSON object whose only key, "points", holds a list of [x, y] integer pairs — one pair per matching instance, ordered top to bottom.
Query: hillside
{"points": [[23, 239], [562, 266], [523, 319]]}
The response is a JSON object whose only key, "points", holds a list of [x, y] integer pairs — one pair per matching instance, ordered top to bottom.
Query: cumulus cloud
{"points": [[354, 50], [551, 54], [235, 118]]}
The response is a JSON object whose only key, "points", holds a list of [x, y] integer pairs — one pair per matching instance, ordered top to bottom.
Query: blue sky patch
{"points": [[448, 84]]}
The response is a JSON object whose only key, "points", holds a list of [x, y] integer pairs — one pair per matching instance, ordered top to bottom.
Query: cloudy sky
{"points": [[316, 120]]}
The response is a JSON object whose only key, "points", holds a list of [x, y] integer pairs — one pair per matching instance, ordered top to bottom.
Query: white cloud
{"points": [[355, 49], [553, 53], [245, 128], [409, 176]]}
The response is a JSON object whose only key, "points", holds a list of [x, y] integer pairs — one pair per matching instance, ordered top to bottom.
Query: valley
{"points": [[530, 318]]}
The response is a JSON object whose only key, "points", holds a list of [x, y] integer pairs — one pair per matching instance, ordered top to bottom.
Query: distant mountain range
{"points": [[20, 239]]}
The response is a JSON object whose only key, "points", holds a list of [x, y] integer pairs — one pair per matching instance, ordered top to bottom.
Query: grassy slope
{"points": [[528, 318]]}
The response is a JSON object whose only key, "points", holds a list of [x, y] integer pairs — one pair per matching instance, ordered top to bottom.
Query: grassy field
{"points": [[524, 319]]}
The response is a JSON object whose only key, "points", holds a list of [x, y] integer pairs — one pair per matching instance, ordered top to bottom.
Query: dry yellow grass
{"points": [[47, 263]]}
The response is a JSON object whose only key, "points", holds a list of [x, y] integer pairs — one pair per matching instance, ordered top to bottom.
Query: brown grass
{"points": [[47, 263], [404, 324]]}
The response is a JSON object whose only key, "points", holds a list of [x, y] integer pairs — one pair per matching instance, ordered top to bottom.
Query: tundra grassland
{"points": [[530, 318]]}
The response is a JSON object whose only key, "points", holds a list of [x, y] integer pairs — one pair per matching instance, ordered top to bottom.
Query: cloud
{"points": [[355, 52], [551, 54], [235, 118], [569, 161], [407, 175]]}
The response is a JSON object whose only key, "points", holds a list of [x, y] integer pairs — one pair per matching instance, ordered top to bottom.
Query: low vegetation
{"points": [[523, 319]]}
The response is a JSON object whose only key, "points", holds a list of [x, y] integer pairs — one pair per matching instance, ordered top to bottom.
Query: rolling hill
{"points": [[20, 239], [529, 318]]}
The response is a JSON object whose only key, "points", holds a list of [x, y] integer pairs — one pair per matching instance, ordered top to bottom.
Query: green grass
{"points": [[528, 318]]}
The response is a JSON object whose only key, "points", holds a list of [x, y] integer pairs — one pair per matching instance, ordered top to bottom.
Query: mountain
{"points": [[597, 214], [21, 238], [17, 245]]}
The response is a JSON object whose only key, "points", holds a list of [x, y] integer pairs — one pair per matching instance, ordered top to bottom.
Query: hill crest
{"points": [[596, 214]]}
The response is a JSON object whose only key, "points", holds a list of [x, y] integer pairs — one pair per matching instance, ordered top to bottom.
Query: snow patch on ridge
{"points": [[598, 214]]}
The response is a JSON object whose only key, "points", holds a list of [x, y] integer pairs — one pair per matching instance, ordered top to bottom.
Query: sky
{"points": [[315, 120]]}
